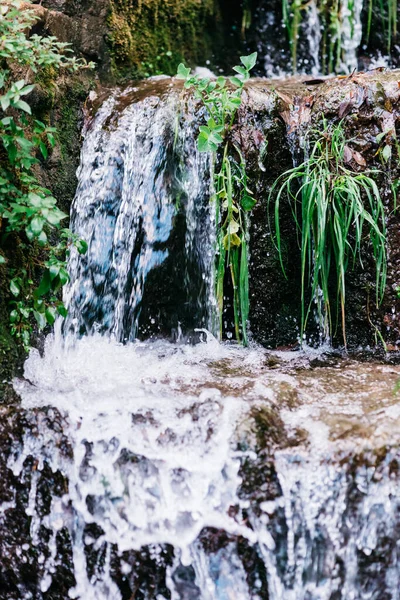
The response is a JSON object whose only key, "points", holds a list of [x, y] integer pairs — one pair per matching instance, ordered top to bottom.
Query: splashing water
{"points": [[351, 33], [162, 454], [152, 461]]}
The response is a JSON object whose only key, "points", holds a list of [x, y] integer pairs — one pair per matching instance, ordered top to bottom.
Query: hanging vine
{"points": [[232, 197]]}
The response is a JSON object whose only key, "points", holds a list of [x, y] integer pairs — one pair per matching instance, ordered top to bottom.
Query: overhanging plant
{"points": [[232, 197], [27, 209]]}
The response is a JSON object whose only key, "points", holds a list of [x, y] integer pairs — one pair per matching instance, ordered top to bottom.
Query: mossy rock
{"points": [[149, 37]]}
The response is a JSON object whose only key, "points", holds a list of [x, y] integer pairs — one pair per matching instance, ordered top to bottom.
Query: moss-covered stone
{"points": [[148, 37]]}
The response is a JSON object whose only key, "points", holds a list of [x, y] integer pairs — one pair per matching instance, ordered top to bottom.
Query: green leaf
{"points": [[249, 61], [241, 71], [183, 72], [236, 81], [221, 82], [27, 90], [4, 102], [22, 105], [39, 126], [205, 130], [380, 136], [215, 138], [51, 139], [202, 143], [43, 150], [387, 153], [248, 203], [53, 216], [36, 225], [42, 239], [81, 246], [2, 260], [54, 270], [64, 277], [44, 285], [14, 287], [39, 305], [62, 310], [25, 311], [50, 315], [14, 316], [40, 319], [25, 335]]}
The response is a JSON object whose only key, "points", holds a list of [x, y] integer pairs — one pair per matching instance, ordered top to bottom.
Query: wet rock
{"points": [[84, 25], [271, 126]]}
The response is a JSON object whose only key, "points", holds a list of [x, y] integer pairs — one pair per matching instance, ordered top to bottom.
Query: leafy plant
{"points": [[232, 197], [332, 206], [27, 209]]}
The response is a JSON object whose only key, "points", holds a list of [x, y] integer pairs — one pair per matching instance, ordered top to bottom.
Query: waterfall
{"points": [[351, 33], [314, 36], [329, 39], [141, 182], [153, 470], [162, 476]]}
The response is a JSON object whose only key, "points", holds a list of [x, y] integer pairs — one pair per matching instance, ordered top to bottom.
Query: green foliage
{"points": [[388, 15], [157, 67], [232, 197], [332, 207], [27, 209]]}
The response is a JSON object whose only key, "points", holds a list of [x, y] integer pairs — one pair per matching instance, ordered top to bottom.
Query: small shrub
{"points": [[27, 209]]}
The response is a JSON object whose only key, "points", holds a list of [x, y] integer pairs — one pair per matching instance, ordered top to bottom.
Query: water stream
{"points": [[331, 38], [190, 471]]}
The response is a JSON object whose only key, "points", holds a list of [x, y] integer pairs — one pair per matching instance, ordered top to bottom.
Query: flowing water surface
{"points": [[163, 441]]}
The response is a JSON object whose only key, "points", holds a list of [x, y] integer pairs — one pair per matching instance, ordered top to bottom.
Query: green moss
{"points": [[149, 37], [66, 116], [9, 355]]}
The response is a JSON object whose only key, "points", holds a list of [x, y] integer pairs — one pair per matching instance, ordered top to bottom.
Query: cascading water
{"points": [[351, 33], [329, 37], [140, 173], [178, 471]]}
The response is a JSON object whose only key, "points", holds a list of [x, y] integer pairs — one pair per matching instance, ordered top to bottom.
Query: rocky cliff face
{"points": [[83, 24], [131, 38]]}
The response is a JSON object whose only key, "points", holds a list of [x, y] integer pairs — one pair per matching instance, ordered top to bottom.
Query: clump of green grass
{"points": [[388, 16], [334, 207]]}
